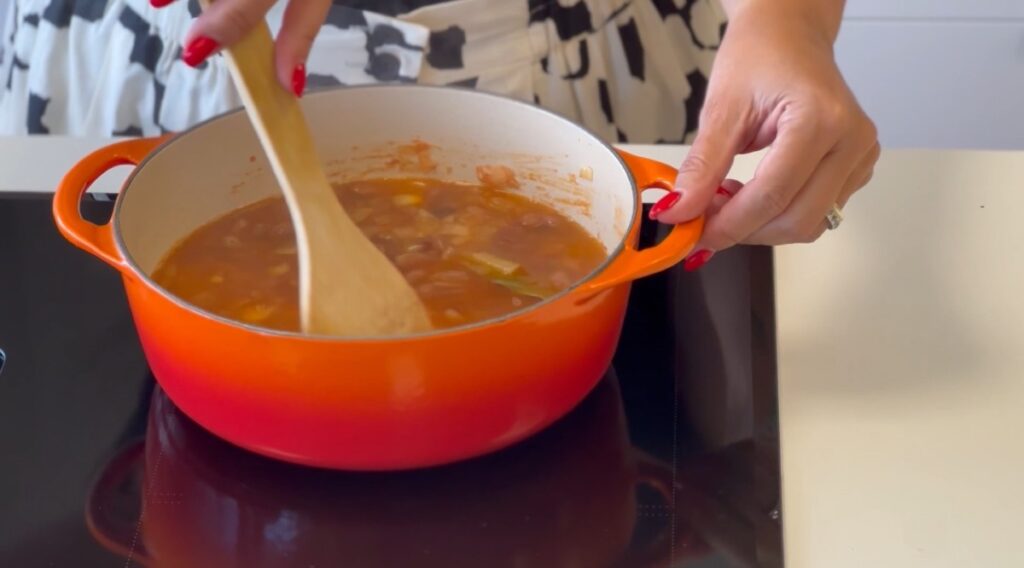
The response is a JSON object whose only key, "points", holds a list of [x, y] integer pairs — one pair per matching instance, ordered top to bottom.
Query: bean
{"points": [[410, 259], [415, 276], [451, 276]]}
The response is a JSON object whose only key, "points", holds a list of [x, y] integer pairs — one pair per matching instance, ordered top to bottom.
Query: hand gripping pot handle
{"points": [[633, 263]]}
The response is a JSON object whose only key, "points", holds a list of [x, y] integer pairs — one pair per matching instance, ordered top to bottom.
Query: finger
{"points": [[302, 21], [222, 23], [723, 127], [784, 170], [862, 175], [726, 191], [723, 194], [804, 220]]}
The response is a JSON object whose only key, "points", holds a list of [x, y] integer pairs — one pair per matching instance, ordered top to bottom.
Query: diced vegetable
{"points": [[496, 175], [407, 199], [361, 214], [455, 229], [406, 232], [411, 259], [494, 264], [279, 269], [415, 276], [524, 288], [255, 313]]}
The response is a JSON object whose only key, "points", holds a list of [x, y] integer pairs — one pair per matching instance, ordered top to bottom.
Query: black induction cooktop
{"points": [[673, 460]]}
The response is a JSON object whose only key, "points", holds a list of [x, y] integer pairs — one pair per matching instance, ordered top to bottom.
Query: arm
{"points": [[821, 15], [774, 83]]}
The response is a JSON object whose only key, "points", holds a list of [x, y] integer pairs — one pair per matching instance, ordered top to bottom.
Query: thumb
{"points": [[706, 165]]}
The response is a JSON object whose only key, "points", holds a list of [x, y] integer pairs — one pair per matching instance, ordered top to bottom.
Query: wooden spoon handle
{"points": [[277, 118]]}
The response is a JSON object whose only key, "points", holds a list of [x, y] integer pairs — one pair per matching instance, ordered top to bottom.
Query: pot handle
{"points": [[97, 240], [633, 263], [120, 536]]}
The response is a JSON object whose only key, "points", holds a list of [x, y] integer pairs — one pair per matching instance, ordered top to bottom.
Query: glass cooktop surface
{"points": [[672, 460]]}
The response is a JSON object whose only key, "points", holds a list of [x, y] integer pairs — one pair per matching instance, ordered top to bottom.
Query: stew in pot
{"points": [[472, 252]]}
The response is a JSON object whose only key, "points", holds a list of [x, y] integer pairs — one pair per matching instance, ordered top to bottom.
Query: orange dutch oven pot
{"points": [[390, 403]]}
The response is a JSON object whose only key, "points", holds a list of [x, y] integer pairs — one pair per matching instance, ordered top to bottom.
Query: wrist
{"points": [[820, 17]]}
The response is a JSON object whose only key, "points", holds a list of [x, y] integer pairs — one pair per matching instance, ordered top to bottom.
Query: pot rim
{"points": [[180, 302]]}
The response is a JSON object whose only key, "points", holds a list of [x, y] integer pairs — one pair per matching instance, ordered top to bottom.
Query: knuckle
{"points": [[237, 20], [714, 111], [832, 113], [835, 116], [870, 130], [865, 132], [875, 153], [694, 165], [696, 171], [866, 179], [772, 201], [719, 235], [724, 237]]}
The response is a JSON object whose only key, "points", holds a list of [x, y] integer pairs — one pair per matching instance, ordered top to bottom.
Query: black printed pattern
{"points": [[146, 48], [590, 60]]}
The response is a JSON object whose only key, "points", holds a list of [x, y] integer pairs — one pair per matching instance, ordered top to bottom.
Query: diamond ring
{"points": [[834, 218]]}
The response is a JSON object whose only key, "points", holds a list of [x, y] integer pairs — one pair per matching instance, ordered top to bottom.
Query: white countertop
{"points": [[901, 360]]}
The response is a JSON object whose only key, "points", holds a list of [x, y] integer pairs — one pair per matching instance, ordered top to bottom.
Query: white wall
{"points": [[5, 8], [938, 73]]}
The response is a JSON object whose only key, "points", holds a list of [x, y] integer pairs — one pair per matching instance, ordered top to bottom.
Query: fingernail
{"points": [[160, 3], [198, 50], [299, 79], [722, 191], [664, 204], [697, 260]]}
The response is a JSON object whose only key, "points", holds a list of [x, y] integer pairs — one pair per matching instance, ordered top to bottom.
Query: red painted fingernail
{"points": [[160, 3], [198, 50], [299, 79], [722, 191], [664, 204], [697, 260]]}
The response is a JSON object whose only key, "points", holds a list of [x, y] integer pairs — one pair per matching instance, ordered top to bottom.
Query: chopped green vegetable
{"points": [[495, 264], [525, 288]]}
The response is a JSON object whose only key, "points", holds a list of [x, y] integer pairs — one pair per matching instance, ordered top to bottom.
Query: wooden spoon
{"points": [[347, 286]]}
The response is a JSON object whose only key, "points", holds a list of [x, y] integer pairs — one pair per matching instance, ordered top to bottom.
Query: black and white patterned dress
{"points": [[628, 70]]}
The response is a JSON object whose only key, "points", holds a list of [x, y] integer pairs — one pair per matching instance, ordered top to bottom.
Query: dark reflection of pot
{"points": [[567, 497]]}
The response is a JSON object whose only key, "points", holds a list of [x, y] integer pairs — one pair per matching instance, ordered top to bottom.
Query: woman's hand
{"points": [[224, 22], [774, 82]]}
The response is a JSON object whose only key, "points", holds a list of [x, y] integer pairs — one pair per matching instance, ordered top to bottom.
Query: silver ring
{"points": [[834, 218]]}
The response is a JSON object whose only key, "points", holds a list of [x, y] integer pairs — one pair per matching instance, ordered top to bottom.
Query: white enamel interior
{"points": [[218, 166]]}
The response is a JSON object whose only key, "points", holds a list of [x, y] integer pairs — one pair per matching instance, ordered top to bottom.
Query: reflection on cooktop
{"points": [[671, 461], [566, 497]]}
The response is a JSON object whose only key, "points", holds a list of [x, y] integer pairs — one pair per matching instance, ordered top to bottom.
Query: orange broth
{"points": [[472, 252]]}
